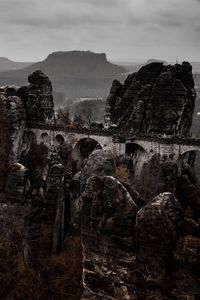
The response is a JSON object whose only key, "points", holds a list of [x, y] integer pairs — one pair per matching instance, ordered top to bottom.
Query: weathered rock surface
{"points": [[38, 99], [158, 99], [28, 105], [16, 115], [101, 163], [156, 177], [16, 184], [188, 190], [47, 197], [108, 217], [45, 222], [157, 228], [133, 247], [153, 255], [186, 265]]}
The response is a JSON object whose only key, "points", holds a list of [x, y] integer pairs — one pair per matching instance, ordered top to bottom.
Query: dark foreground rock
{"points": [[108, 218], [133, 250]]}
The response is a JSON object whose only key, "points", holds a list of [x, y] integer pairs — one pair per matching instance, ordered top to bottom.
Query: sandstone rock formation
{"points": [[38, 99], [158, 99], [28, 105], [16, 115], [34, 182], [46, 196], [138, 222], [157, 228], [107, 237], [137, 250]]}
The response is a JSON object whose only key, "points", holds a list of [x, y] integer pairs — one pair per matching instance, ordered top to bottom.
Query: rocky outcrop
{"points": [[38, 99], [158, 99], [32, 104], [16, 115], [16, 185], [46, 196], [108, 217], [138, 218], [45, 223], [157, 228], [136, 247]]}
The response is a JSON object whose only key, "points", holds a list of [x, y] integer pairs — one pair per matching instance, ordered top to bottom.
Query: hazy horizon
{"points": [[116, 60]]}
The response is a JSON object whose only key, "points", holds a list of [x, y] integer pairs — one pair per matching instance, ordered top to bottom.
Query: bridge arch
{"points": [[29, 137], [45, 138], [59, 139], [83, 148], [188, 148], [133, 149]]}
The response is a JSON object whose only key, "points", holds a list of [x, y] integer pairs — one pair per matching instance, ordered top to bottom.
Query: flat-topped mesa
{"points": [[38, 99], [158, 99]]}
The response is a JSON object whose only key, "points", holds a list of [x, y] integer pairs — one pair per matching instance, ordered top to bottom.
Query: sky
{"points": [[126, 30]]}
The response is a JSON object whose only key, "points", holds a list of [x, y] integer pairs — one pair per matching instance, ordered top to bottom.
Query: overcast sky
{"points": [[124, 29]]}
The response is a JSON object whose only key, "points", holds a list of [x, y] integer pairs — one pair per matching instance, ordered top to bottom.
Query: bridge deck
{"points": [[119, 136]]}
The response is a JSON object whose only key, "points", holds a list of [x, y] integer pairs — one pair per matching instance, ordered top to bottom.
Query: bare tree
{"points": [[88, 116], [78, 121]]}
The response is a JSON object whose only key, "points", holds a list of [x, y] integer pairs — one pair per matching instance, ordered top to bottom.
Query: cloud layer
{"points": [[124, 29]]}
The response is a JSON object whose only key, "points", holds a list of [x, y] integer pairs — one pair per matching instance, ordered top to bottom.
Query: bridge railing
{"points": [[68, 129], [118, 136]]}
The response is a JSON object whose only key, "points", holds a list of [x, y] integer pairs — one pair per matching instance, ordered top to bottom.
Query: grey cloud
{"points": [[60, 12], [30, 29]]}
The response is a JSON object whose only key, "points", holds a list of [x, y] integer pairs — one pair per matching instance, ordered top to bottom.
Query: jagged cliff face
{"points": [[38, 99], [158, 99], [28, 105], [16, 115], [35, 176], [138, 218], [133, 250]]}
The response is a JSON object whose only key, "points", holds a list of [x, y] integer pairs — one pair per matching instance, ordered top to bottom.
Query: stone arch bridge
{"points": [[167, 148]]}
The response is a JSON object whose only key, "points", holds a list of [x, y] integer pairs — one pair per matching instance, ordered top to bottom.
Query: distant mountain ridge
{"points": [[75, 64], [9, 65], [72, 73]]}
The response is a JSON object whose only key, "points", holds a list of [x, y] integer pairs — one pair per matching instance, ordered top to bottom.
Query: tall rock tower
{"points": [[38, 99], [158, 99]]}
